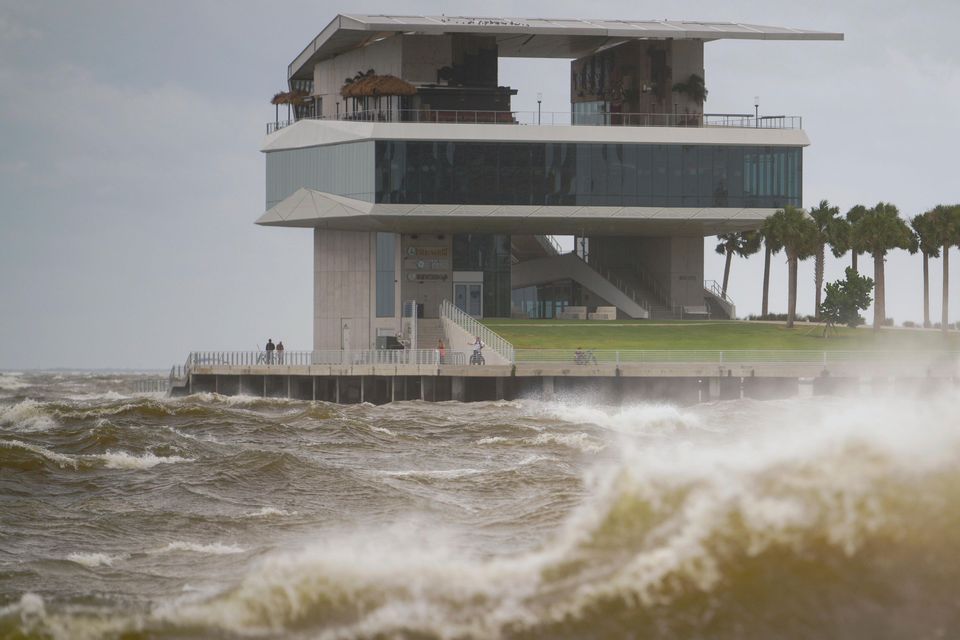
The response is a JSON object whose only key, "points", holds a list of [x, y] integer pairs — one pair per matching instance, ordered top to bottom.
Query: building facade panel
{"points": [[344, 169]]}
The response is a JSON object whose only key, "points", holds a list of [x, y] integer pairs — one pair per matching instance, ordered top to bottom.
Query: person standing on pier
{"points": [[270, 349], [280, 352]]}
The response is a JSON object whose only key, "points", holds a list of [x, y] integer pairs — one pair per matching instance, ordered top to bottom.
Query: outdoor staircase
{"points": [[429, 332]]}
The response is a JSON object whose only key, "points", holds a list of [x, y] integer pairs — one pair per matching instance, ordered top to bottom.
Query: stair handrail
{"points": [[552, 243], [620, 284], [714, 287], [470, 324]]}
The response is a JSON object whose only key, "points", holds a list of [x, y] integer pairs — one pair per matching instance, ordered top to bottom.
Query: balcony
{"points": [[561, 118]]}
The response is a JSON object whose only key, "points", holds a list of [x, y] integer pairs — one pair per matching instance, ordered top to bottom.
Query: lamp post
{"points": [[539, 99], [756, 111]]}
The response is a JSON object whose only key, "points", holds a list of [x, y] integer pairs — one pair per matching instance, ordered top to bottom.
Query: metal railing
{"points": [[558, 118], [550, 242], [624, 286], [714, 287], [408, 324], [469, 324], [322, 357], [725, 357], [151, 385]]}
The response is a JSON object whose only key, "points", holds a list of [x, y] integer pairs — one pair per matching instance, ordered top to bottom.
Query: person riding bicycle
{"points": [[477, 357]]}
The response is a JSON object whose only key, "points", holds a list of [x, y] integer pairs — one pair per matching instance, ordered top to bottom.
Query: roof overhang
{"points": [[531, 37], [316, 209]]}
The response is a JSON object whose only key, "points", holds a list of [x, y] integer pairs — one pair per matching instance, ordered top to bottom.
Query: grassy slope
{"points": [[569, 334]]}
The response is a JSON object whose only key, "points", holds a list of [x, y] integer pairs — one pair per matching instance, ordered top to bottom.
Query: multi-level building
{"points": [[421, 184]]}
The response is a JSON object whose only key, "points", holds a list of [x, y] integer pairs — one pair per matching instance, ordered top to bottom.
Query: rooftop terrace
{"points": [[559, 118]]}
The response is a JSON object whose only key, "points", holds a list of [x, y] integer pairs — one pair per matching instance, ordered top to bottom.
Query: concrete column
{"points": [[362, 385], [264, 386], [288, 387], [393, 388], [500, 388], [729, 388], [336, 389], [458, 389], [713, 389], [547, 393]]}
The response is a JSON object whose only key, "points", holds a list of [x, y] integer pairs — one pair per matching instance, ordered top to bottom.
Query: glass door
{"points": [[468, 297]]}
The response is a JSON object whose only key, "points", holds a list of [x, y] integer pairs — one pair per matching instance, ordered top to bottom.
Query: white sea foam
{"points": [[11, 381], [110, 396], [26, 415], [638, 419], [383, 430], [492, 440], [580, 441], [62, 460], [124, 460], [442, 474], [269, 512], [213, 548], [93, 560]]}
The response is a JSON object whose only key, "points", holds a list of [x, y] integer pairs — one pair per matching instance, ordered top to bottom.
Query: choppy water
{"points": [[210, 517]]}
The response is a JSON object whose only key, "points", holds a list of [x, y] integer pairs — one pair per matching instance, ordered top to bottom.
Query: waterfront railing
{"points": [[558, 118], [322, 357]]}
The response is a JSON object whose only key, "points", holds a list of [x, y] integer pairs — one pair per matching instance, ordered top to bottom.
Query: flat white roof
{"points": [[533, 37]]}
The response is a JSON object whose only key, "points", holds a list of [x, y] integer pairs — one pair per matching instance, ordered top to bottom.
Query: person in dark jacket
{"points": [[270, 349]]}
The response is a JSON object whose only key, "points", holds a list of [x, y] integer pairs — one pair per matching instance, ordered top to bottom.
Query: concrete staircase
{"points": [[570, 265], [429, 331]]}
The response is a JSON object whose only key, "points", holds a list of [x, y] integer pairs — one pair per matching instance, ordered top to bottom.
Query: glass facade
{"points": [[577, 174], [489, 253], [386, 274], [547, 300]]}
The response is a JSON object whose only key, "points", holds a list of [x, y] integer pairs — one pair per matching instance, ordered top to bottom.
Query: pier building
{"points": [[422, 185]]}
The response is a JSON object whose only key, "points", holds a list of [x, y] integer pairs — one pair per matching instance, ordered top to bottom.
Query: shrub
{"points": [[909, 324]]}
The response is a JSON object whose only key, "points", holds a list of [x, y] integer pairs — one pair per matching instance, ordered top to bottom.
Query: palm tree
{"points": [[856, 212], [946, 220], [792, 229], [830, 230], [878, 231], [928, 238], [743, 244], [771, 246]]}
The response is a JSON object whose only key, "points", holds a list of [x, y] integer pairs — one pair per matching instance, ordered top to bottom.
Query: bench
{"points": [[696, 312], [573, 313], [604, 313]]}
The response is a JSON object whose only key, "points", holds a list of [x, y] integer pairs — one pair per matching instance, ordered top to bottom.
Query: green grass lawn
{"points": [[666, 334]]}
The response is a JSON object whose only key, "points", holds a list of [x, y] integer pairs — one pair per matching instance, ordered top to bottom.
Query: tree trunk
{"points": [[276, 115], [853, 260], [726, 272], [818, 277], [792, 291], [926, 291], [946, 291], [879, 303], [764, 309]]}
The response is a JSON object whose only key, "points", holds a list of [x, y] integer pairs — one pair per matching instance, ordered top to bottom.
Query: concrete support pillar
{"points": [[362, 385], [264, 386], [288, 387], [313, 388], [393, 388], [336, 389], [458, 389], [713, 389], [499, 391], [547, 393]]}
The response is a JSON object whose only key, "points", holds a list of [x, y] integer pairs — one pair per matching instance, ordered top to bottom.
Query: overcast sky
{"points": [[130, 172]]}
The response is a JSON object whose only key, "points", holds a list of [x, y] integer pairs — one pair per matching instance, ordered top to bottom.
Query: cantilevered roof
{"points": [[532, 37]]}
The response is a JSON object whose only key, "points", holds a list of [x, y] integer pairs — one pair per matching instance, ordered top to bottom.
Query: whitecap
{"points": [[10, 382], [26, 415], [383, 430], [492, 440], [579, 441], [60, 459], [124, 460], [444, 474], [269, 512], [213, 548], [92, 560]]}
